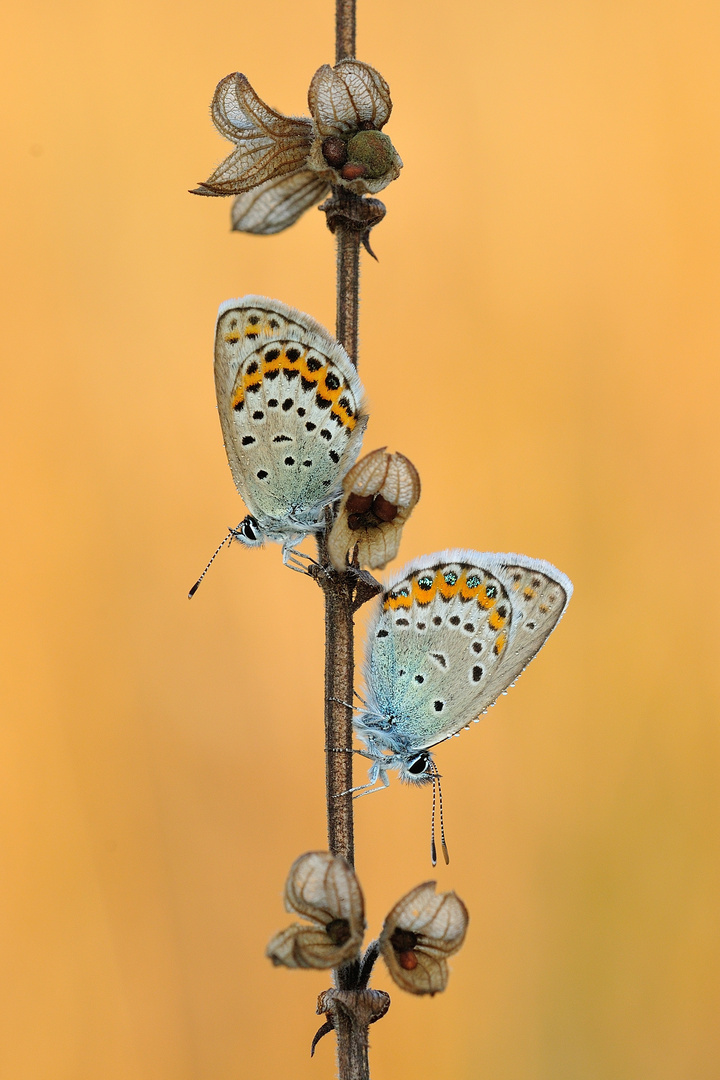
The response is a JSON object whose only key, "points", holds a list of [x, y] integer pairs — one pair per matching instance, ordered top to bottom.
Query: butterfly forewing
{"points": [[290, 404], [451, 634]]}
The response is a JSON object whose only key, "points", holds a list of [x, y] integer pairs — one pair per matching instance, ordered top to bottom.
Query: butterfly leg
{"points": [[297, 560], [347, 706], [346, 750], [376, 773]]}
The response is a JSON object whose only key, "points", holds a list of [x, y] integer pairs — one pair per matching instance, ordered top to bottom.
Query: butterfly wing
{"points": [[291, 407], [539, 593], [452, 632]]}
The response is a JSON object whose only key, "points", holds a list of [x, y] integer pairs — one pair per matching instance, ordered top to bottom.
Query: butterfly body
{"points": [[292, 413], [452, 632]]}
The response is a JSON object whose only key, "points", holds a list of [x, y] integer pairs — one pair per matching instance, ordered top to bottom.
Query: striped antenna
{"points": [[217, 552], [433, 849]]}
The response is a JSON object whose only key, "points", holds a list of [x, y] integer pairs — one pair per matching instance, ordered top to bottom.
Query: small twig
{"points": [[344, 29], [348, 287], [339, 676]]}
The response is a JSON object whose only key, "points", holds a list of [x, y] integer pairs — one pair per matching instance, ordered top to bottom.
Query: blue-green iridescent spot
{"points": [[450, 577], [473, 581]]}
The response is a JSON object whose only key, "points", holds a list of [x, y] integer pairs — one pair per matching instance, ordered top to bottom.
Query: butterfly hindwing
{"points": [[291, 406], [539, 593], [451, 633]]}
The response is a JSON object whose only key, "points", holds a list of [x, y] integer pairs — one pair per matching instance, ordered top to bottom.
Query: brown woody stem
{"points": [[344, 29], [348, 285], [339, 589], [339, 673], [349, 1012], [351, 1032]]}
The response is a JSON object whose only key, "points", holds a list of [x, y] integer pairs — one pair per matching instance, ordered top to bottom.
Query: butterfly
{"points": [[292, 413], [451, 632]]}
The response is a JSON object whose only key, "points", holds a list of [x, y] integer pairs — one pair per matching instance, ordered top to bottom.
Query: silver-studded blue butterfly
{"points": [[292, 413], [451, 632]]}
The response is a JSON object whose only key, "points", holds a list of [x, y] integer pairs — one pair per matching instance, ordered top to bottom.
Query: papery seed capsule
{"points": [[380, 492], [324, 890], [420, 932]]}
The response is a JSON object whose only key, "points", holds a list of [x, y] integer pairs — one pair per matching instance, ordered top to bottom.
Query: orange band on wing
{"points": [[335, 397], [447, 588], [427, 594], [398, 600]]}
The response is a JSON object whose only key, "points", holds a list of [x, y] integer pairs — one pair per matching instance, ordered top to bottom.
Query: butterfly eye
{"points": [[248, 525], [419, 764]]}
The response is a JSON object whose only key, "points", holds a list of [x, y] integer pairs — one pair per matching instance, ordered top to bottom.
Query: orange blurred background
{"points": [[541, 338]]}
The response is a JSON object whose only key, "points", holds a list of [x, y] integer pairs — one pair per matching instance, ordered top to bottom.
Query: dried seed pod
{"points": [[346, 96], [352, 100], [267, 144], [281, 165], [277, 204], [380, 492], [324, 890], [420, 932]]}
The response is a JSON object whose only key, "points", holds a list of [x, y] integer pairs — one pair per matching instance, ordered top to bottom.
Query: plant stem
{"points": [[344, 29], [348, 283], [341, 598], [339, 642], [339, 678], [352, 1040]]}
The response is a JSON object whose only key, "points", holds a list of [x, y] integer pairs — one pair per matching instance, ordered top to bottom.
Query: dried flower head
{"points": [[283, 165], [380, 492], [323, 889], [420, 932]]}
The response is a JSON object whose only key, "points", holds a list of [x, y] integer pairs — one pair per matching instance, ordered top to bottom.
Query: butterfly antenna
{"points": [[217, 552], [433, 850], [446, 855]]}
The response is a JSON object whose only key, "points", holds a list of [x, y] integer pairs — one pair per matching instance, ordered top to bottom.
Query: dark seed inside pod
{"points": [[366, 125], [335, 151], [353, 171], [358, 504], [384, 510], [338, 931], [403, 940]]}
